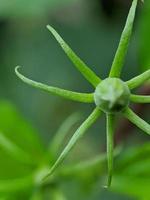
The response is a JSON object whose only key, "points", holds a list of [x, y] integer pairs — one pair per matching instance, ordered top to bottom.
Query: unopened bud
{"points": [[112, 95]]}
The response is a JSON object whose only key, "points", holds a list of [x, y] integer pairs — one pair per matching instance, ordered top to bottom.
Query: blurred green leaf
{"points": [[17, 8], [18, 130], [21, 134], [14, 151], [132, 175], [16, 185]]}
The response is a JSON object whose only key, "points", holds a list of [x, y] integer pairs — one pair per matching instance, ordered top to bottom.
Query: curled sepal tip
{"points": [[75, 96]]}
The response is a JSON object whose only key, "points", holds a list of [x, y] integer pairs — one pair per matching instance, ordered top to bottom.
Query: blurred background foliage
{"points": [[92, 28]]}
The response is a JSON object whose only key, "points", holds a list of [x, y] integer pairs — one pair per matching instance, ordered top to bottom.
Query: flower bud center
{"points": [[112, 95]]}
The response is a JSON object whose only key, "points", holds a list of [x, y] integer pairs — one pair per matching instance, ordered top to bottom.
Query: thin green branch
{"points": [[124, 42], [79, 64], [138, 80], [75, 96], [140, 98], [131, 116], [60, 135], [77, 135], [110, 146], [14, 151]]}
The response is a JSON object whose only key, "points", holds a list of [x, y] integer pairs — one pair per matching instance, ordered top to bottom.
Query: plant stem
{"points": [[124, 42], [79, 64], [138, 80], [75, 96], [140, 98], [130, 115], [77, 135], [110, 146]]}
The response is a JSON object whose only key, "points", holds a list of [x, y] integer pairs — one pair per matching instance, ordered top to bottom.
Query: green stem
{"points": [[124, 42], [79, 64], [138, 80], [75, 96], [140, 98], [130, 115], [77, 135], [110, 146]]}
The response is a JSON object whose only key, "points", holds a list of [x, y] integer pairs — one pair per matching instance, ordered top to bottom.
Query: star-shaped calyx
{"points": [[110, 96]]}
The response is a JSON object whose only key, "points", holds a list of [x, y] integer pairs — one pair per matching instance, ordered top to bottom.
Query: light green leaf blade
{"points": [[124, 42], [79, 64], [139, 80], [75, 96], [140, 98], [131, 116], [19, 131], [77, 135], [110, 146], [14, 151], [11, 186]]}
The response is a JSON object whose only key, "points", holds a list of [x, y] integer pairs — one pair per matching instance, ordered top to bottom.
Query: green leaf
{"points": [[124, 42], [79, 64], [139, 80], [75, 96], [140, 98], [129, 114], [63, 130], [19, 132], [77, 135], [110, 146], [14, 151], [131, 155], [131, 176], [16, 185], [136, 187], [57, 194], [37, 195]]}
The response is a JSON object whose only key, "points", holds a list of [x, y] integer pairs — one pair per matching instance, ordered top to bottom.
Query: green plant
{"points": [[111, 96], [24, 160]]}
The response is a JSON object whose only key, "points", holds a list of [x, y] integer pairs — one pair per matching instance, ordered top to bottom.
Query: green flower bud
{"points": [[112, 95]]}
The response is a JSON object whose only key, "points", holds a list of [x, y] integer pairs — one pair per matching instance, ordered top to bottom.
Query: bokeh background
{"points": [[92, 29]]}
